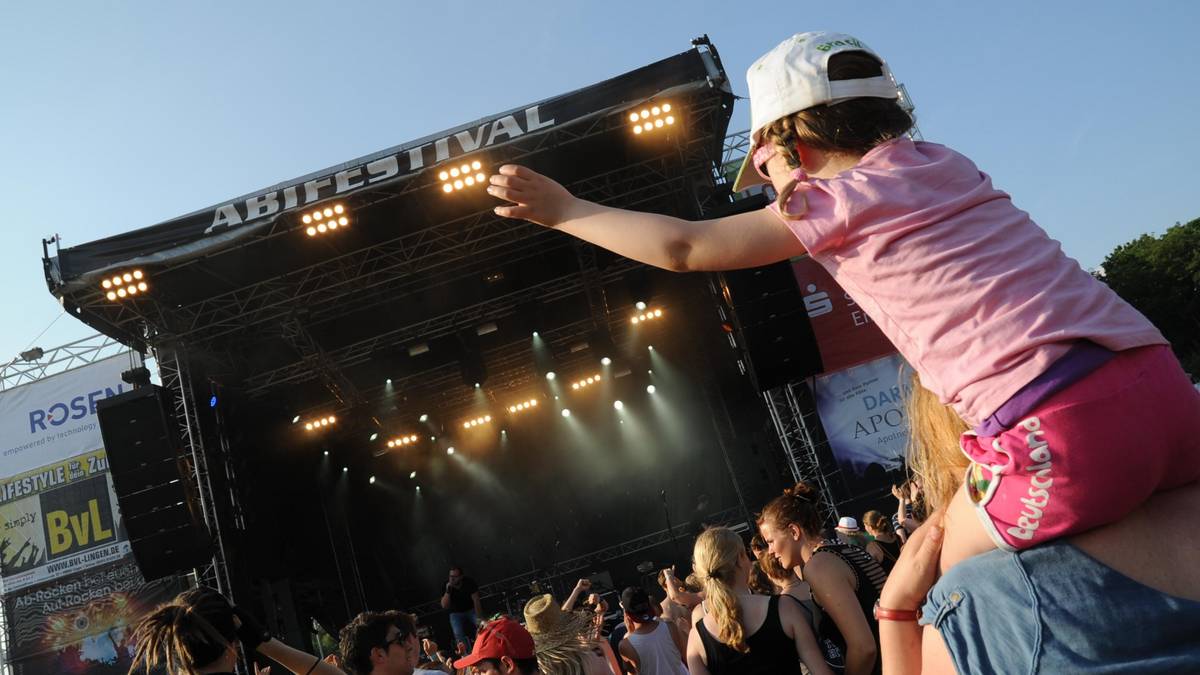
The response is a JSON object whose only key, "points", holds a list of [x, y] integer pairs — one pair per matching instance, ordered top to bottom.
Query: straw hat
{"points": [[551, 627]]}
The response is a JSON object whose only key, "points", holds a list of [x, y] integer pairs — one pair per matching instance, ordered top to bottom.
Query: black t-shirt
{"points": [[460, 597]]}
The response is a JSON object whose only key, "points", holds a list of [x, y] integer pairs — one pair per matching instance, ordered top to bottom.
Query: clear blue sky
{"points": [[115, 116]]}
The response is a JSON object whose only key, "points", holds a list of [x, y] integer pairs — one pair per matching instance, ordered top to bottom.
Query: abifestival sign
{"points": [[862, 411]]}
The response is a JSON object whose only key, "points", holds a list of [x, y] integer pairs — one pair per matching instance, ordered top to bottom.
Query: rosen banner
{"points": [[845, 334], [862, 411]]}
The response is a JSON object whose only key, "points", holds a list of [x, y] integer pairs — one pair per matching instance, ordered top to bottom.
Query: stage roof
{"points": [[321, 320]]}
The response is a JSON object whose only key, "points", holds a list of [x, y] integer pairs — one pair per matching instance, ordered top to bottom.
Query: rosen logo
{"points": [[77, 408]]}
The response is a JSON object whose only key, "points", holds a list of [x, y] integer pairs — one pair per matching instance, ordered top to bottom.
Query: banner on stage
{"points": [[846, 336], [862, 411], [82, 622]]}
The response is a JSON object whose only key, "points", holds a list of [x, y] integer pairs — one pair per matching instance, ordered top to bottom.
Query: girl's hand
{"points": [[536, 198], [916, 570]]}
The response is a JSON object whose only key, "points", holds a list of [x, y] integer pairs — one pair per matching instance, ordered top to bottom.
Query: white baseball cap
{"points": [[794, 76]]}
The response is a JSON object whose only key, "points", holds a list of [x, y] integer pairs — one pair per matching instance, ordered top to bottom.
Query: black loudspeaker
{"points": [[770, 318], [154, 482]]}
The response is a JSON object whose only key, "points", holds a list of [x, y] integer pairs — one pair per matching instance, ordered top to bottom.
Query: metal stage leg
{"points": [[173, 368], [792, 422]]}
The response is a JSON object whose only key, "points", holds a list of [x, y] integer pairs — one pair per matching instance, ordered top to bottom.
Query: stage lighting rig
{"points": [[651, 118], [462, 176], [325, 219], [124, 285], [648, 315], [586, 382], [523, 406], [478, 421], [321, 423], [402, 441]]}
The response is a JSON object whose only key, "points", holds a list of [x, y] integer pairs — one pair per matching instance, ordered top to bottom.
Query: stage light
{"points": [[462, 176], [324, 219], [124, 285], [639, 305], [648, 315], [535, 333], [650, 347], [605, 361], [550, 375], [590, 380], [388, 381], [476, 385], [650, 389], [618, 404], [522, 406], [566, 412], [423, 418], [295, 419], [478, 421], [320, 423], [374, 436], [402, 441], [450, 450], [326, 453], [345, 469], [413, 474], [371, 480], [418, 488]]}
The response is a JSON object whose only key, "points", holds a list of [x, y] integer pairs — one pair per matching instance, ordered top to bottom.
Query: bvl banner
{"points": [[862, 410]]}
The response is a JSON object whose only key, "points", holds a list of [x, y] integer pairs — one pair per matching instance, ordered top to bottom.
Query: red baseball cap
{"points": [[502, 637]]}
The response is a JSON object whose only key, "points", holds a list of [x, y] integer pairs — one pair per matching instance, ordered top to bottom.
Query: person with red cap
{"points": [[502, 647]]}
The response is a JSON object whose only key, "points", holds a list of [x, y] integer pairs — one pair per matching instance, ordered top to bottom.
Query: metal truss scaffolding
{"points": [[59, 359], [176, 378], [793, 423]]}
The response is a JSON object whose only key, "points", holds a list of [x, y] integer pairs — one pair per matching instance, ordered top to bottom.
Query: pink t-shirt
{"points": [[977, 297]]}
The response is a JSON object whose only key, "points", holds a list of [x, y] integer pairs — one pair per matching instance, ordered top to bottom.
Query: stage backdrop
{"points": [[846, 336], [862, 411], [70, 587]]}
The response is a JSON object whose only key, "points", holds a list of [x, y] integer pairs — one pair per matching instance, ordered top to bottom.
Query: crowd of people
{"points": [[797, 597]]}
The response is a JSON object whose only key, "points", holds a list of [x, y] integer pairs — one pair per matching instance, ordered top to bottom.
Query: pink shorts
{"points": [[1089, 454]]}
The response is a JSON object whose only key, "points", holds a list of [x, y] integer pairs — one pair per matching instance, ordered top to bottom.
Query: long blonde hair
{"points": [[934, 454], [715, 560]]}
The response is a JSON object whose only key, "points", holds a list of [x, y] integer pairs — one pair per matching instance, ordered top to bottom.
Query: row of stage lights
{"points": [[652, 118], [330, 218], [325, 219], [124, 285], [646, 316], [586, 382], [522, 406], [478, 421], [321, 423], [402, 441]]}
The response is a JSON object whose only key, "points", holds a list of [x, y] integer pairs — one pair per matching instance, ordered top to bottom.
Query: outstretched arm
{"points": [[734, 242]]}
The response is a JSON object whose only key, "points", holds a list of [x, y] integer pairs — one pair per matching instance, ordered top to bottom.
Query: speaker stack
{"points": [[154, 482]]}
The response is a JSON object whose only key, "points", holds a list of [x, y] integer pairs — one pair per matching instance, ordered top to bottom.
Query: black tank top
{"points": [[891, 553], [868, 578], [772, 652]]}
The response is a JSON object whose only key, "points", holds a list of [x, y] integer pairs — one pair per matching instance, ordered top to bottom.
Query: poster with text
{"points": [[846, 336], [862, 411]]}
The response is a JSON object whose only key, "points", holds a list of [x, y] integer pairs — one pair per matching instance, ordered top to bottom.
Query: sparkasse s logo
{"points": [[79, 407]]}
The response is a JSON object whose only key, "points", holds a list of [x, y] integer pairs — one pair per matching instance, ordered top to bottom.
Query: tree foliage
{"points": [[1160, 276]]}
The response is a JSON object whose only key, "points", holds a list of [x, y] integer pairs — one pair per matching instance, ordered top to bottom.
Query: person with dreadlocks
{"points": [[198, 633]]}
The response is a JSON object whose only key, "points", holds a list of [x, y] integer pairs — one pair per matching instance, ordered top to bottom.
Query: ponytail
{"points": [[715, 559], [192, 631]]}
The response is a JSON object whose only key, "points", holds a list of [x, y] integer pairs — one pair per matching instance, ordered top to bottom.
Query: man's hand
{"points": [[916, 570]]}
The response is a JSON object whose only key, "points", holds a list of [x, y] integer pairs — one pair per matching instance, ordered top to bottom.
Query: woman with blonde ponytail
{"points": [[198, 633], [739, 633]]}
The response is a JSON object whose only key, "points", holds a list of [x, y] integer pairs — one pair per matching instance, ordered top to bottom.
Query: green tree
{"points": [[1161, 277]]}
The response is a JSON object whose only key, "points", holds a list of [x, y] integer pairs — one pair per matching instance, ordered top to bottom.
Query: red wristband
{"points": [[885, 614]]}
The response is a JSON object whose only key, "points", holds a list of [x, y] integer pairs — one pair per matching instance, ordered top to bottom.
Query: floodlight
{"points": [[652, 118], [468, 174], [324, 219], [124, 285], [640, 305], [647, 315], [605, 361], [550, 375], [650, 389], [618, 404], [566, 412], [423, 418], [295, 419], [374, 436], [326, 453], [345, 469], [413, 474], [371, 480]]}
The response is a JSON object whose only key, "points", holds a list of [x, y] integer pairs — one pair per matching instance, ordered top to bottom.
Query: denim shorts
{"points": [[1054, 609]]}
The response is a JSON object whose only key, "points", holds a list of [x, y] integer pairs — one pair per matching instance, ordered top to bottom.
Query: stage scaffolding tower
{"points": [[176, 378]]}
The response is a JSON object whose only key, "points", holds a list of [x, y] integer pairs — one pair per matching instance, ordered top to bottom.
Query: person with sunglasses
{"points": [[381, 643]]}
